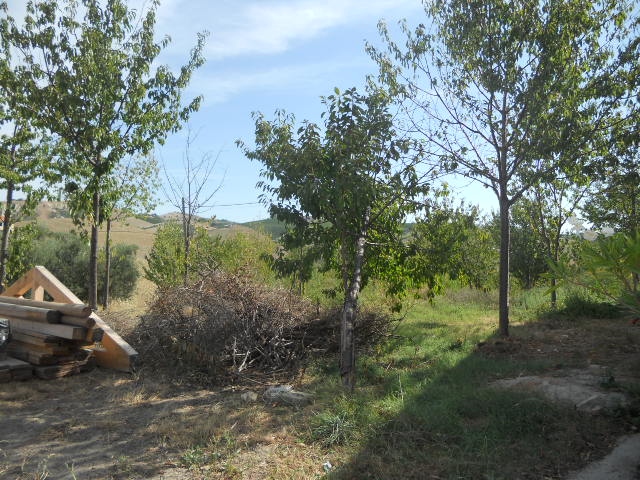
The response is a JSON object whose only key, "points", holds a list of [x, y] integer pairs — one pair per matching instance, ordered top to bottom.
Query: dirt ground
{"points": [[106, 425], [109, 425]]}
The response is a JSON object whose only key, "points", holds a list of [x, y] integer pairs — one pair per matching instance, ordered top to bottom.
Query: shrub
{"points": [[21, 250], [66, 255], [166, 263], [606, 267], [123, 274], [578, 304]]}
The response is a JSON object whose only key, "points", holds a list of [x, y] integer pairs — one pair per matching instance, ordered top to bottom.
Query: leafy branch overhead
{"points": [[85, 72]]}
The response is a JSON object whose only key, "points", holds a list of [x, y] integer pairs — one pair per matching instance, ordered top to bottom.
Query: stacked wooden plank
{"points": [[55, 338]]}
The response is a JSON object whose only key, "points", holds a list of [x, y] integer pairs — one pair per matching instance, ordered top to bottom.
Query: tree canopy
{"points": [[86, 73], [505, 93]]}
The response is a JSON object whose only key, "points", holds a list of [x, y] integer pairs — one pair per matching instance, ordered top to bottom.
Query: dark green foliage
{"points": [[150, 217], [270, 226], [451, 240], [20, 254], [66, 255], [123, 274], [579, 304]]}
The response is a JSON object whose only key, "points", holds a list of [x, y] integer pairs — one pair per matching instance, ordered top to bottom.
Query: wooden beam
{"points": [[20, 286], [54, 287], [37, 292], [64, 308], [34, 314], [87, 322], [56, 329], [42, 336], [35, 338], [112, 351]]}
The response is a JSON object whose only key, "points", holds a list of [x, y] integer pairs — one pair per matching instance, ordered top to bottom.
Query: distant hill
{"points": [[270, 226], [275, 228]]}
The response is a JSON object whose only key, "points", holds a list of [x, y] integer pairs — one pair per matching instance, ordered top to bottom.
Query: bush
{"points": [[20, 252], [66, 255], [166, 264], [123, 274], [578, 304]]}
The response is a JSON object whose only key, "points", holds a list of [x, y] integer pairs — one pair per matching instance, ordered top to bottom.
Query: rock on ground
{"points": [[580, 388], [285, 394], [623, 463]]}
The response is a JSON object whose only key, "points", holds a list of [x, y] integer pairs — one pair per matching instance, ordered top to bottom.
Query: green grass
{"points": [[424, 404]]}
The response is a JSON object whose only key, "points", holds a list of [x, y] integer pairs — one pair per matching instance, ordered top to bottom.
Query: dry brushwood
{"points": [[227, 324]]}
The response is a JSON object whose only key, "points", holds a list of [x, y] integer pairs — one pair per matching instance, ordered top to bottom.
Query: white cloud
{"points": [[265, 26], [274, 27], [220, 87]]}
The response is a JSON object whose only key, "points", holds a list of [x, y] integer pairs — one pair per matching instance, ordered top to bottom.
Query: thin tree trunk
{"points": [[186, 227], [4, 247], [93, 254], [107, 266], [504, 267], [635, 276], [553, 280], [554, 293], [349, 312]]}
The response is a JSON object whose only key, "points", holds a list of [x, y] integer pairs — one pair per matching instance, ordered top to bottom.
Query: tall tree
{"points": [[87, 75], [497, 89], [22, 155], [130, 189], [344, 193]]}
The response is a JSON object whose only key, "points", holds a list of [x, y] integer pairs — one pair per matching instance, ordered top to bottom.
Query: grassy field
{"points": [[424, 407]]}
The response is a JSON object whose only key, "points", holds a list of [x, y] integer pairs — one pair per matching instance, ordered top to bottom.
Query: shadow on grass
{"points": [[442, 419]]}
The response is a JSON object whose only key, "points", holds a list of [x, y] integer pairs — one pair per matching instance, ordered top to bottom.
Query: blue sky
{"points": [[264, 55]]}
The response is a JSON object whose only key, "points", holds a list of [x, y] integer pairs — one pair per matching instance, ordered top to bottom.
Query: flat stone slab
{"points": [[11, 363], [580, 388], [623, 463]]}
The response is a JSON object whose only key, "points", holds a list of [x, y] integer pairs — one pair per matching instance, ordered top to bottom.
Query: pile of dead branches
{"points": [[226, 326]]}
